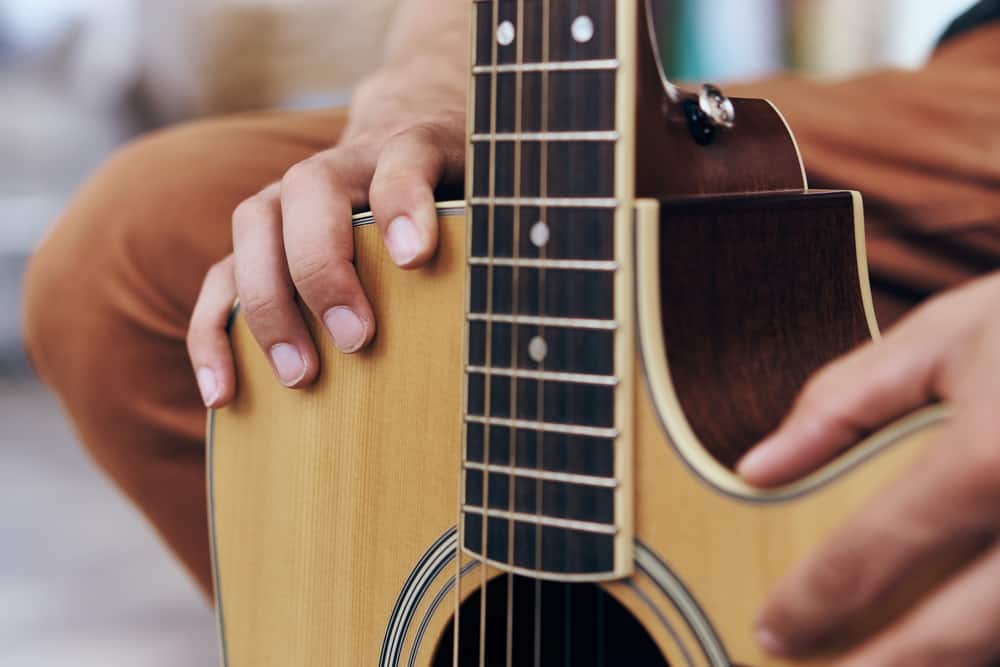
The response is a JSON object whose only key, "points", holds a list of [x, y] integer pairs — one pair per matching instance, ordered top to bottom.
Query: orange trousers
{"points": [[110, 291]]}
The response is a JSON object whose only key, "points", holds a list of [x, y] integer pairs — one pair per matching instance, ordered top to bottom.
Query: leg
{"points": [[110, 291]]}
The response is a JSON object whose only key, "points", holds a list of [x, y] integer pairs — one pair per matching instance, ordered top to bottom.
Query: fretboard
{"points": [[546, 456]]}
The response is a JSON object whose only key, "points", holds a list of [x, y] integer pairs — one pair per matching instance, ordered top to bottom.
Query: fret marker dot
{"points": [[582, 29], [505, 33], [539, 234], [538, 349]]}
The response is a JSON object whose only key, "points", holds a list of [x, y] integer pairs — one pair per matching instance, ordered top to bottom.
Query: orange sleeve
{"points": [[923, 147]]}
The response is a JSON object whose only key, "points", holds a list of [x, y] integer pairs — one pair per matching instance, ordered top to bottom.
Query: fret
{"points": [[567, 66], [596, 86], [548, 136], [593, 178], [548, 202], [562, 233], [563, 264], [567, 294], [571, 322], [567, 350], [547, 376], [550, 402], [568, 429], [555, 452], [546, 475], [560, 500], [543, 520], [562, 550]]}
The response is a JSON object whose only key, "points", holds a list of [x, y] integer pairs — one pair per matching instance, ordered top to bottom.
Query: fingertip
{"points": [[411, 238], [404, 241], [350, 329], [293, 366], [209, 386], [760, 465], [771, 641]]}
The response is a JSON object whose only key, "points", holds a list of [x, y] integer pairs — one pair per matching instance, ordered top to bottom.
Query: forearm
{"points": [[435, 29]]}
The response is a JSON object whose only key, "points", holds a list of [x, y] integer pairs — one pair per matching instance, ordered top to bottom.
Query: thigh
{"points": [[111, 289]]}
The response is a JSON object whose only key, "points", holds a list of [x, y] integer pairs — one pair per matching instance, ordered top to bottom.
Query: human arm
{"points": [[948, 349]]}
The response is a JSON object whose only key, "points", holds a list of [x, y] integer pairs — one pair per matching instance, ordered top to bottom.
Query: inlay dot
{"points": [[582, 29], [505, 33], [539, 234], [538, 349]]}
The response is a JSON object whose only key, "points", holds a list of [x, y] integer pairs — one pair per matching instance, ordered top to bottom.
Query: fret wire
{"points": [[561, 66], [595, 135], [554, 202], [532, 263], [542, 321], [553, 376], [548, 427], [512, 443], [545, 475], [542, 520]]}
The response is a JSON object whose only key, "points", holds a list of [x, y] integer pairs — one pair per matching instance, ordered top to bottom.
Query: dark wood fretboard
{"points": [[543, 466]]}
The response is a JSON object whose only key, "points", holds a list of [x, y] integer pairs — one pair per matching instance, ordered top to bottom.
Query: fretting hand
{"points": [[405, 136]]}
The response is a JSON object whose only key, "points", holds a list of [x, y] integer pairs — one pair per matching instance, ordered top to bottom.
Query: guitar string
{"points": [[476, 41], [543, 191], [515, 305], [488, 377]]}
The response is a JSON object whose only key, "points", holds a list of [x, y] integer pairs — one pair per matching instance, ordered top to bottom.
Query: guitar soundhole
{"points": [[548, 624]]}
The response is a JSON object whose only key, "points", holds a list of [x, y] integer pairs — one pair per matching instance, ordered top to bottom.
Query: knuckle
{"points": [[308, 174], [399, 185], [251, 212], [310, 269], [220, 271], [319, 274], [260, 306], [835, 578]]}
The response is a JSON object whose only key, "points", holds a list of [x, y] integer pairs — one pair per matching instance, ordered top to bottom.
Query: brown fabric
{"points": [[924, 149], [110, 292]]}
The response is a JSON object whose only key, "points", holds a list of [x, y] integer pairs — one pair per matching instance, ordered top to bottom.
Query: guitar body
{"points": [[334, 508], [348, 518]]}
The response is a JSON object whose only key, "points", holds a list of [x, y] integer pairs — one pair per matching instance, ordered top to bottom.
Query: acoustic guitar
{"points": [[532, 465]]}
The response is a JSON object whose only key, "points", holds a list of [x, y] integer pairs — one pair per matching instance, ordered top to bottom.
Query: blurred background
{"points": [[82, 580]]}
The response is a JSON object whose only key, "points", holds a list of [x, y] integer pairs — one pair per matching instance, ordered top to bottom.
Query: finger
{"points": [[402, 193], [317, 197], [267, 299], [207, 338], [869, 387], [844, 401], [935, 505], [957, 626]]}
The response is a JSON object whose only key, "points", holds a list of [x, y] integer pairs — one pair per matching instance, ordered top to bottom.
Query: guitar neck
{"points": [[547, 453]]}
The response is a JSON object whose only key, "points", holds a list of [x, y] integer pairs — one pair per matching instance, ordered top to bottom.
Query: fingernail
{"points": [[403, 240], [347, 329], [288, 364], [208, 386], [771, 642]]}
